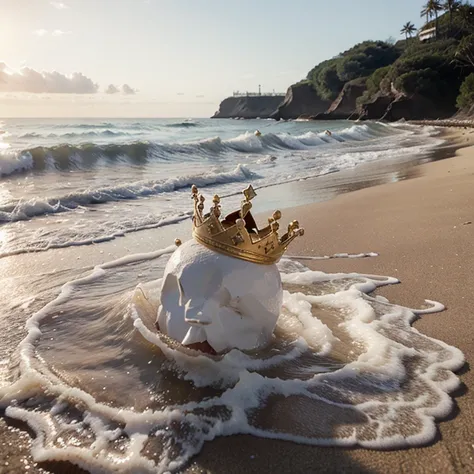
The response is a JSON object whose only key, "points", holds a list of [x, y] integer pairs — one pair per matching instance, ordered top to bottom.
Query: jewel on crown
{"points": [[237, 235]]}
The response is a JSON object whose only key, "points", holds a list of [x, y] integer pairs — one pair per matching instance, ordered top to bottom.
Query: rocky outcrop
{"points": [[301, 100], [396, 105], [345, 106], [248, 107], [417, 107], [376, 108], [465, 114]]}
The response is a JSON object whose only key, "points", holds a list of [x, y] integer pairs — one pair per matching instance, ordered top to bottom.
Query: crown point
{"points": [[194, 189], [249, 192], [216, 199], [276, 215], [240, 223], [177, 242]]}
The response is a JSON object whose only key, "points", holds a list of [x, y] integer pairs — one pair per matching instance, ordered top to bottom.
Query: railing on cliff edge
{"points": [[257, 94]]}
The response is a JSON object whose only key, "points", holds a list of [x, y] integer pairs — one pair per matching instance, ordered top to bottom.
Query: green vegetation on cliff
{"points": [[433, 70], [328, 78], [466, 96]]}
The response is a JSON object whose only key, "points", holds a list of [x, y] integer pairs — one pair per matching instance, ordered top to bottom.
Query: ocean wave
{"points": [[184, 124], [85, 125], [72, 135], [87, 155], [11, 163], [26, 209], [79, 234]]}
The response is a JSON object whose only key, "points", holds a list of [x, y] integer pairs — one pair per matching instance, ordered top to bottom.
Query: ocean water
{"points": [[74, 182], [81, 362]]}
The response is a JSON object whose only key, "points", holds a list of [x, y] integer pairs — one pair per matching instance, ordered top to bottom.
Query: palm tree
{"points": [[451, 6], [431, 9], [466, 15], [408, 29]]}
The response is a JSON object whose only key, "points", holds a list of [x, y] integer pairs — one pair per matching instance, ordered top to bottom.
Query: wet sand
{"points": [[420, 228], [423, 230]]}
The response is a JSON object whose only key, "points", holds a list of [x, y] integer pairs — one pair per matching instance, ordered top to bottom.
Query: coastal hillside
{"points": [[426, 76], [421, 77], [249, 107]]}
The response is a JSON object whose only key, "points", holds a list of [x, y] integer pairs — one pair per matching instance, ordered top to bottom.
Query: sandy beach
{"points": [[423, 230]]}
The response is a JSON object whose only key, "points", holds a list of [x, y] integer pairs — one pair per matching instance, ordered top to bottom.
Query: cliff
{"points": [[301, 99], [345, 105], [397, 106], [248, 107], [417, 107], [376, 108]]}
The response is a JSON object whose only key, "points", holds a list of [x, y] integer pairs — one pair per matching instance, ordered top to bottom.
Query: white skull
{"points": [[207, 296]]}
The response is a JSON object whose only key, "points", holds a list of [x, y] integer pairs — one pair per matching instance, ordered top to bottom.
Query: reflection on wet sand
{"points": [[103, 388]]}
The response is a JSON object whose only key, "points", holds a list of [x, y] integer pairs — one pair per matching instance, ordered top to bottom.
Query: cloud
{"points": [[59, 5], [40, 32], [43, 32], [60, 33], [29, 80], [111, 89], [126, 89]]}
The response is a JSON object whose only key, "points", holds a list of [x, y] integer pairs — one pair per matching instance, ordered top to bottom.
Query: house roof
{"points": [[427, 31]]}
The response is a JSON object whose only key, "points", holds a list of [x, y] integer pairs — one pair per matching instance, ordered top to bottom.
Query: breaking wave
{"points": [[184, 124], [78, 135], [85, 156], [25, 209]]}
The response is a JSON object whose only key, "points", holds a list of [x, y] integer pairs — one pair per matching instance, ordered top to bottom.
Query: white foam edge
{"points": [[102, 238], [328, 257], [139, 423]]}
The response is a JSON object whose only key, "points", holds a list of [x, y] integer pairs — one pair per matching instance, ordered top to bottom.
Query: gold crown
{"points": [[238, 235]]}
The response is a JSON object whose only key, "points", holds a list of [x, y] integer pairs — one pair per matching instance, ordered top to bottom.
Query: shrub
{"points": [[328, 78], [426, 82], [466, 93]]}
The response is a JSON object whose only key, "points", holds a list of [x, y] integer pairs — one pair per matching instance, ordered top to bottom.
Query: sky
{"points": [[172, 58]]}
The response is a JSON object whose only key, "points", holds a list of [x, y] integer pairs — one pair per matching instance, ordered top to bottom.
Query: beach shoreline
{"points": [[411, 224], [423, 230]]}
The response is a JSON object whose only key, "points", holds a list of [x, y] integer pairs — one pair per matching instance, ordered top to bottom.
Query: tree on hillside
{"points": [[451, 6], [431, 10], [465, 14], [408, 29], [465, 51], [329, 77], [466, 93]]}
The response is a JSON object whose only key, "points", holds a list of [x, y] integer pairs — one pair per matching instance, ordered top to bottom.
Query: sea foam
{"points": [[96, 143], [26, 209], [103, 390]]}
